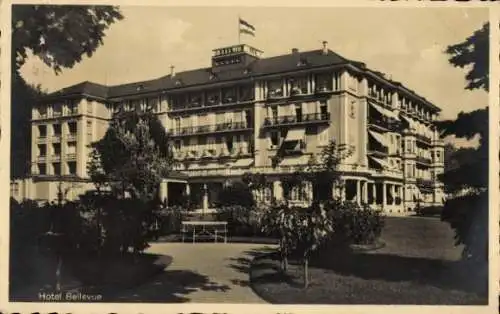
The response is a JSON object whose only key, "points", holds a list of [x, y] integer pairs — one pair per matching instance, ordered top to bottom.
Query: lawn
{"points": [[419, 264]]}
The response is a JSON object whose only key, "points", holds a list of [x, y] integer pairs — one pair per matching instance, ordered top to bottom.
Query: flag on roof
{"points": [[246, 28]]}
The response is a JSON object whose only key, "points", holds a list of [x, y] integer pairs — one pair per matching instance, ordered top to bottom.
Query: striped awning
{"points": [[386, 112], [295, 134], [379, 138], [380, 161]]}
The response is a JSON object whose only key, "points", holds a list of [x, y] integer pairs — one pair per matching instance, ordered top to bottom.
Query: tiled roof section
{"points": [[267, 66], [261, 67], [84, 88]]}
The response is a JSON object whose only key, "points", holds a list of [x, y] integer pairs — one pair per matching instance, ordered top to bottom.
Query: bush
{"points": [[237, 194], [429, 211], [468, 216], [169, 220], [242, 221], [353, 224]]}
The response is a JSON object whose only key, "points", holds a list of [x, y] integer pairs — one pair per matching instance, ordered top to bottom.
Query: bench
{"points": [[215, 229]]}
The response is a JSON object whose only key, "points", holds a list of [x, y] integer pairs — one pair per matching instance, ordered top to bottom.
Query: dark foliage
{"points": [[59, 35], [473, 52], [236, 194], [429, 211], [468, 215], [353, 224]]}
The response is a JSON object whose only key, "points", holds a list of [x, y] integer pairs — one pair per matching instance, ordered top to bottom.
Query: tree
{"points": [[60, 36], [473, 53], [133, 156], [468, 214]]}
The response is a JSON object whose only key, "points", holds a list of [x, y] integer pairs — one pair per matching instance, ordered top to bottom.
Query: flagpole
{"points": [[239, 31]]}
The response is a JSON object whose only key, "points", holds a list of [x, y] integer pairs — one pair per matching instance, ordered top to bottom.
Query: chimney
{"points": [[325, 47], [295, 51], [172, 71]]}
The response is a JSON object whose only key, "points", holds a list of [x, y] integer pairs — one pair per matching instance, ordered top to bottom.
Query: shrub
{"points": [[237, 194], [429, 211], [169, 220], [242, 221], [353, 224]]}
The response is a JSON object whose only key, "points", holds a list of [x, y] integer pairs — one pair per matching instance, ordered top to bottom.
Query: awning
{"points": [[385, 112], [410, 122], [295, 135], [379, 137], [295, 161], [245, 162], [381, 162]]}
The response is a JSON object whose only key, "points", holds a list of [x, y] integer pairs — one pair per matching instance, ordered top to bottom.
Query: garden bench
{"points": [[213, 229]]}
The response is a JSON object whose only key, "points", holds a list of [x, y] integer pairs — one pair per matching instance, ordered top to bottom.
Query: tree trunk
{"points": [[306, 272]]}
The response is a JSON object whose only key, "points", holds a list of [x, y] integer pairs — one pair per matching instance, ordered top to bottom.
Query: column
{"points": [[277, 190], [164, 192], [358, 192], [365, 192], [374, 193], [393, 193], [384, 195], [205, 198]]}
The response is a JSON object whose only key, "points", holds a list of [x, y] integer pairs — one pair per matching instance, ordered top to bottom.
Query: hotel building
{"points": [[234, 116]]}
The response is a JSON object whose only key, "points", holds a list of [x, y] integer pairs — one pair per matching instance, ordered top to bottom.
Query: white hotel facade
{"points": [[234, 116]]}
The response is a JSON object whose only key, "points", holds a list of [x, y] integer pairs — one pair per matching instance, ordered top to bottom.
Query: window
{"points": [[323, 82], [298, 86], [246, 93], [229, 95], [73, 107], [323, 109], [57, 110], [42, 112], [177, 123], [72, 128], [89, 128], [57, 129], [323, 136], [275, 138], [229, 144], [177, 145], [71, 147], [56, 148], [42, 150], [438, 156], [57, 168], [72, 168], [42, 169]]}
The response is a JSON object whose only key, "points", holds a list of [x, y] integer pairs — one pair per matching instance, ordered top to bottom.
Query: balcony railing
{"points": [[323, 89], [298, 91], [275, 94], [211, 102], [57, 114], [294, 119], [386, 124], [213, 128], [71, 136], [42, 139], [423, 139], [379, 151], [213, 153], [71, 156], [55, 157], [41, 158], [423, 160], [425, 183]]}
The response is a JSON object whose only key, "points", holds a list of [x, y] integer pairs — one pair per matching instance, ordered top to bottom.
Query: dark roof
{"points": [[267, 66], [259, 67], [84, 88]]}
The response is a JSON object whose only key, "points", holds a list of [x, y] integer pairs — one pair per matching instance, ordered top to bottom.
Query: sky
{"points": [[405, 43]]}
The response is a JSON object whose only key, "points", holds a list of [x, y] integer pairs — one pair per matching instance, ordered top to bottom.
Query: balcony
{"points": [[323, 89], [298, 91], [275, 94], [56, 114], [294, 120], [384, 124], [214, 128], [71, 136], [56, 138], [42, 139], [422, 139], [379, 152], [213, 153], [71, 156], [55, 157], [41, 158], [424, 161], [426, 183]]}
